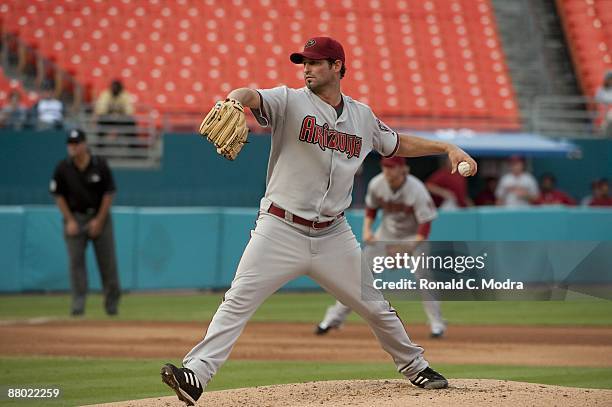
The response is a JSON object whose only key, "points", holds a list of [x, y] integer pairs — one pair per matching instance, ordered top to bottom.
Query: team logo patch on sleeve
{"points": [[383, 127], [325, 137]]}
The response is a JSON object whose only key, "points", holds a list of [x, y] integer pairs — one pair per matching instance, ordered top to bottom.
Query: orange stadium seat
{"points": [[588, 28], [410, 60]]}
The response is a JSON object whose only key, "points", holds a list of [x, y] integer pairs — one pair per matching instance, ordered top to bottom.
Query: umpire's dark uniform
{"points": [[80, 191]]}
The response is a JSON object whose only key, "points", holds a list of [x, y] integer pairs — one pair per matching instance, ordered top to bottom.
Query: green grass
{"points": [[309, 307], [120, 379], [87, 381]]}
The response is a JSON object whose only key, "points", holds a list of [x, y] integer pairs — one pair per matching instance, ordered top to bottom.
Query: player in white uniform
{"points": [[320, 138], [407, 211]]}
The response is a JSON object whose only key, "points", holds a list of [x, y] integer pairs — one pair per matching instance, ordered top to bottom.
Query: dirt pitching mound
{"points": [[391, 393]]}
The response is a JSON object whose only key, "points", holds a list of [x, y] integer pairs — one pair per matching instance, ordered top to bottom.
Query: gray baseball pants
{"points": [[104, 248], [280, 251], [337, 313]]}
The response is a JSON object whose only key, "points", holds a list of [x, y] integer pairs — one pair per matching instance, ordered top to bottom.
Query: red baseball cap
{"points": [[319, 48], [393, 162]]}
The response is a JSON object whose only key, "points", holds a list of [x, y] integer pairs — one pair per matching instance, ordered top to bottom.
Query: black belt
{"points": [[88, 211]]}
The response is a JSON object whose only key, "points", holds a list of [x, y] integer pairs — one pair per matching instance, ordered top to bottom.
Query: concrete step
{"points": [[535, 48]]}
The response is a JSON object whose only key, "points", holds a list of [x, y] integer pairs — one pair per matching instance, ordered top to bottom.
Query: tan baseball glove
{"points": [[225, 127]]}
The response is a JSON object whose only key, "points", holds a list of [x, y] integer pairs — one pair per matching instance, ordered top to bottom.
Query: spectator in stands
{"points": [[604, 98], [114, 108], [48, 111], [14, 114], [518, 187], [84, 188], [449, 191], [487, 195], [549, 195], [602, 197], [586, 201]]}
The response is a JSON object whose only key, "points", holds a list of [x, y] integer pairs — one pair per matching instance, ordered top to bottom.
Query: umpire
{"points": [[84, 188]]}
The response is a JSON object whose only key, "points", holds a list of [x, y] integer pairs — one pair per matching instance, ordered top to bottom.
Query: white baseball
{"points": [[464, 168]]}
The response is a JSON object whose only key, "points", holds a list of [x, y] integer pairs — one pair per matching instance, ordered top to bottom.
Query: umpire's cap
{"points": [[319, 48], [75, 136]]}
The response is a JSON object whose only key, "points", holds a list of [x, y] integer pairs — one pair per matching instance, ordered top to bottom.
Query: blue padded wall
{"points": [[199, 248]]}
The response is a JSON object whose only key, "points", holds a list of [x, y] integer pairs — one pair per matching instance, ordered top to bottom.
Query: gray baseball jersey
{"points": [[313, 177], [403, 210]]}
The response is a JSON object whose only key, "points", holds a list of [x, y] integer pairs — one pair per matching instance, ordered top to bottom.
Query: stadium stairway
{"points": [[588, 27], [554, 49], [536, 52]]}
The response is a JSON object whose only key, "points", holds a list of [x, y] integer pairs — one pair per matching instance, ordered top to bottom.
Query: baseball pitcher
{"points": [[320, 138]]}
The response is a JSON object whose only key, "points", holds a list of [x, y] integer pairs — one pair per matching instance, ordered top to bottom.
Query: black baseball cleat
{"points": [[323, 330], [430, 379], [184, 383]]}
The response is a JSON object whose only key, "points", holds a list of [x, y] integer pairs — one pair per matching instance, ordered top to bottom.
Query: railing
{"points": [[564, 116], [572, 116], [181, 122], [189, 122], [126, 141]]}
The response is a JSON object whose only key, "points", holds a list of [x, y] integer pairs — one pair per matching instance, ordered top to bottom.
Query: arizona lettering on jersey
{"points": [[313, 133], [314, 152], [396, 207]]}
